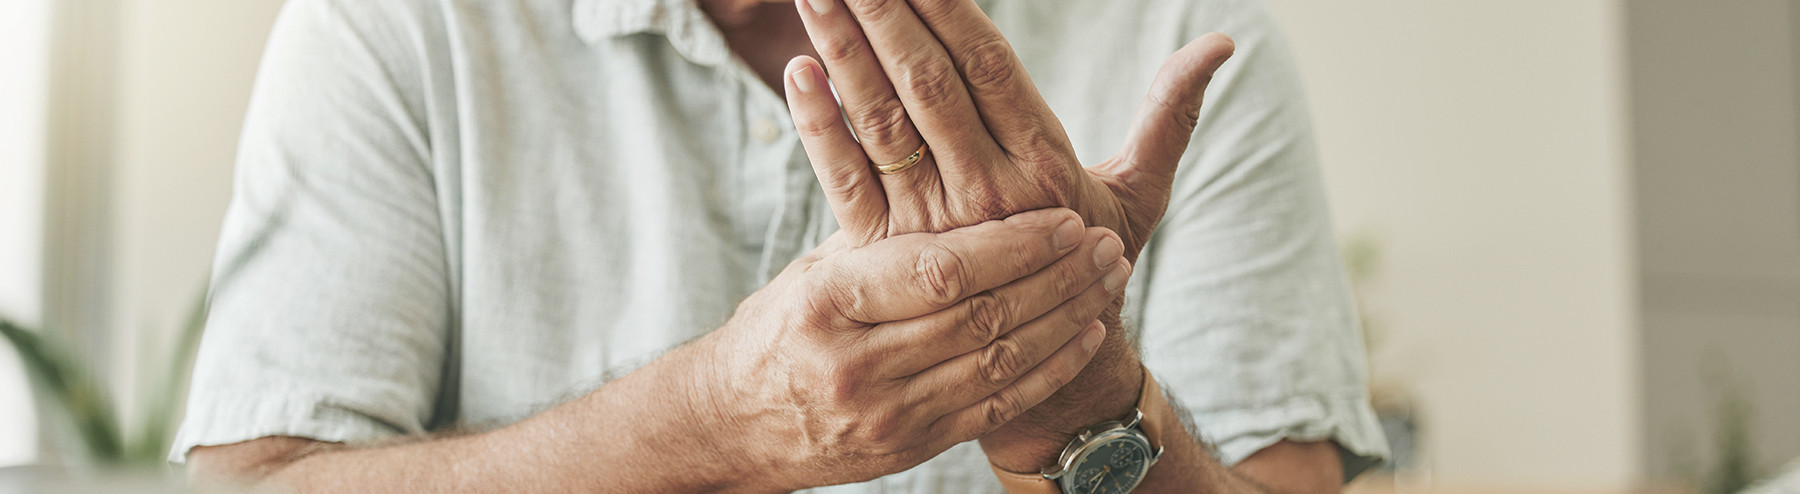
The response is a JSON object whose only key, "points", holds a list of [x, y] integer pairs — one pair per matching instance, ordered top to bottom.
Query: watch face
{"points": [[1113, 466]]}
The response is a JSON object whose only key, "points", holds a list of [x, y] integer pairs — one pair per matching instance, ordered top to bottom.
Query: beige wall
{"points": [[186, 69], [156, 130], [1483, 145]]}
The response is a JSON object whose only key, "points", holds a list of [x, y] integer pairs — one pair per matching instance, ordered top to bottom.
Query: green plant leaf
{"points": [[59, 375]]}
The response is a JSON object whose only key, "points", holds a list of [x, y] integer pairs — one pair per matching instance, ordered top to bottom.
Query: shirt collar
{"points": [[681, 21]]}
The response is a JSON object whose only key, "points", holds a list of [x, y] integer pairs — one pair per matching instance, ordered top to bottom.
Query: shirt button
{"points": [[765, 131]]}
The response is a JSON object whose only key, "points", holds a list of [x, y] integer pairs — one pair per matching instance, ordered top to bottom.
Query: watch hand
{"points": [[1096, 478]]}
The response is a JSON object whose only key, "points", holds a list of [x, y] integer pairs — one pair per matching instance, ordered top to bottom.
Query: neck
{"points": [[730, 14], [764, 33]]}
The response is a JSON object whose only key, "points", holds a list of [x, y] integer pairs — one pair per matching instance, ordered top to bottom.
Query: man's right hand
{"points": [[858, 363], [852, 364]]}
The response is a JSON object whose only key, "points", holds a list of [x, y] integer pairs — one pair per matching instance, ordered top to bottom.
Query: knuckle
{"points": [[867, 9], [932, 10], [841, 49], [990, 66], [930, 82], [1185, 115], [1187, 119], [883, 125], [815, 128], [1040, 147], [842, 180], [1058, 182], [982, 197], [991, 198], [1028, 258], [941, 272], [1066, 279], [828, 302], [1083, 316], [987, 317], [1001, 361], [842, 383], [1003, 407]]}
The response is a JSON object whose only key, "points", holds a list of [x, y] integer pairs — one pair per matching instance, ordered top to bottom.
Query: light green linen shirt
{"points": [[460, 212]]}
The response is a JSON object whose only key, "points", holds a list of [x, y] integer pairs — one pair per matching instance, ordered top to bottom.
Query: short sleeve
{"points": [[330, 299], [1244, 310]]}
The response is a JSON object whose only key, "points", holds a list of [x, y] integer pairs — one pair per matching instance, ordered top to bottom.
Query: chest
{"points": [[607, 208]]}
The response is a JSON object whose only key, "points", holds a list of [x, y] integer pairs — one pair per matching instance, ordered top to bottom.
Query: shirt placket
{"points": [[778, 180], [783, 211]]}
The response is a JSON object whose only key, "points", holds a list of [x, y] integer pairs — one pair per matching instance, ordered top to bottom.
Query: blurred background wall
{"points": [[23, 39], [186, 69], [1715, 88], [141, 120], [1482, 147], [1587, 212]]}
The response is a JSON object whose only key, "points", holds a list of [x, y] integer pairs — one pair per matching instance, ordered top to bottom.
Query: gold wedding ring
{"points": [[908, 162]]}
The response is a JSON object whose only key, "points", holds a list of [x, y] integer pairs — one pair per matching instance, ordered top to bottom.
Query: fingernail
{"points": [[819, 6], [803, 78], [1068, 234], [1108, 251], [1115, 279], [1095, 335]]}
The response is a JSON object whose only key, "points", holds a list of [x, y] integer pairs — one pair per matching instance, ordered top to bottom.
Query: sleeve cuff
{"points": [[311, 417], [1346, 419]]}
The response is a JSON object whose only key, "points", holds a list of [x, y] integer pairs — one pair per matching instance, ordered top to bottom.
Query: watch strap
{"points": [[1151, 404], [1157, 412]]}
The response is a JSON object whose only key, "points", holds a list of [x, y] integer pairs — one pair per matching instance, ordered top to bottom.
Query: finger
{"points": [[930, 88], [1009, 104], [877, 117], [1166, 120], [856, 197], [916, 274], [920, 343], [973, 376], [990, 413]]}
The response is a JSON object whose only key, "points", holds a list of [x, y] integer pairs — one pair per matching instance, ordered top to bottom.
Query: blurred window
{"points": [[24, 69]]}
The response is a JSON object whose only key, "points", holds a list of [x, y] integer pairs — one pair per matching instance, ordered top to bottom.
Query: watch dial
{"points": [[1111, 468]]}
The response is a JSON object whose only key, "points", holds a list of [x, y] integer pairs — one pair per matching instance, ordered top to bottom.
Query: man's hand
{"points": [[939, 72], [947, 77], [859, 363], [852, 364]]}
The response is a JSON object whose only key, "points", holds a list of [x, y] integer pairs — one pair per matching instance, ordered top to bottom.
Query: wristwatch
{"points": [[1107, 458]]}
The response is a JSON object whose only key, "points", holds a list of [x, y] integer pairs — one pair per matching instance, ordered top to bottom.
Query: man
{"points": [[505, 218]]}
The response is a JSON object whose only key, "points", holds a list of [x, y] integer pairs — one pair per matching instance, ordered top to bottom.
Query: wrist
{"points": [[1107, 389], [696, 426]]}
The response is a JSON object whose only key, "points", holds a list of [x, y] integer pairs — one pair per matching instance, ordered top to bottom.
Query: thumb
{"points": [[1165, 121]]}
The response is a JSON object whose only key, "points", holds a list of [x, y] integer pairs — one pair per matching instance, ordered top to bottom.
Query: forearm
{"points": [[1107, 389], [1100, 394], [640, 433], [1186, 466]]}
